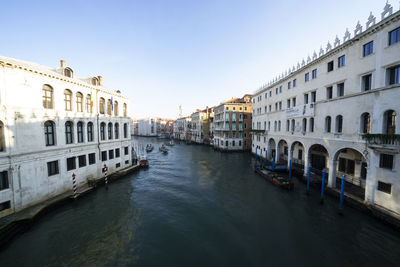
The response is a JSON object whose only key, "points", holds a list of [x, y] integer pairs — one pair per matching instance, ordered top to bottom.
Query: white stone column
{"points": [[290, 152], [306, 163], [332, 173], [371, 181]]}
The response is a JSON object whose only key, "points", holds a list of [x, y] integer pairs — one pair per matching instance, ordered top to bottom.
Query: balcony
{"points": [[259, 132], [383, 141]]}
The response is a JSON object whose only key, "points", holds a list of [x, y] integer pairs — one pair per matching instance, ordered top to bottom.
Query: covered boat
{"points": [[275, 179]]}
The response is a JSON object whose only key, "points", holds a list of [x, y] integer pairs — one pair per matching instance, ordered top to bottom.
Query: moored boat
{"points": [[170, 143], [143, 162], [275, 179]]}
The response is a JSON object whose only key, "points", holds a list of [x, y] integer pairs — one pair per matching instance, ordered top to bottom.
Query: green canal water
{"points": [[198, 207]]}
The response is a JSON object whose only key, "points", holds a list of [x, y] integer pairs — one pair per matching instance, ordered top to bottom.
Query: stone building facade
{"points": [[339, 112], [232, 124], [54, 125]]}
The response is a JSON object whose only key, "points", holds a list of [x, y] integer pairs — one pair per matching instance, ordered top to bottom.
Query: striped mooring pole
{"points": [[105, 176], [74, 185]]}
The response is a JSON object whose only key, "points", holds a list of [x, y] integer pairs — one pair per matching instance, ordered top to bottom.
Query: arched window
{"points": [[68, 72], [47, 96], [68, 99], [79, 102], [89, 104], [102, 105], [109, 107], [115, 108], [125, 109], [389, 121], [339, 123], [365, 123], [293, 124], [328, 124], [304, 125], [311, 125], [275, 126], [279, 126], [287, 126], [79, 128], [116, 130], [125, 130], [90, 131], [103, 131], [110, 131], [49, 133], [69, 134], [2, 139]]}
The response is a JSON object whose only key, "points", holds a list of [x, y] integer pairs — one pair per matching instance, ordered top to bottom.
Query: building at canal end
{"points": [[338, 111], [232, 124], [54, 125], [201, 126], [182, 128]]}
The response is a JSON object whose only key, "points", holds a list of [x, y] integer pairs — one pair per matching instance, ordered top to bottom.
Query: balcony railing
{"points": [[382, 140]]}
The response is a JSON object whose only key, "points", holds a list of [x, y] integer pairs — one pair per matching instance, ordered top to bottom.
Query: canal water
{"points": [[198, 207]]}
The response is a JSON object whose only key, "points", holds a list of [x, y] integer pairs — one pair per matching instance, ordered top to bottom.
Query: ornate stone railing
{"points": [[382, 139]]}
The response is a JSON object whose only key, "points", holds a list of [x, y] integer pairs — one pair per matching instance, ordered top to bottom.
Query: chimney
{"points": [[62, 63], [100, 78]]}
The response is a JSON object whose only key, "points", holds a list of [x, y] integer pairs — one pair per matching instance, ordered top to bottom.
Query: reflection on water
{"points": [[198, 207]]}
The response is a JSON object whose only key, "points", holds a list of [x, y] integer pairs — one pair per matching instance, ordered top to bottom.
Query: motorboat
{"points": [[149, 148]]}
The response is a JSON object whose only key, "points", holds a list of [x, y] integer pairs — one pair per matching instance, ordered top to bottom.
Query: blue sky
{"points": [[165, 53]]}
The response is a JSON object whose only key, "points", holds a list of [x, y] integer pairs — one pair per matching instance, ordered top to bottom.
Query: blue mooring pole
{"points": [[266, 151], [256, 155], [273, 160], [290, 169], [308, 179], [323, 186], [341, 194]]}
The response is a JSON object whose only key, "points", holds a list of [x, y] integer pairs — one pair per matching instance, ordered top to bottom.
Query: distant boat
{"points": [[170, 143], [149, 148], [163, 149], [275, 178]]}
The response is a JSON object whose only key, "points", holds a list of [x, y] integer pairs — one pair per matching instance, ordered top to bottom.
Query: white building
{"points": [[318, 112], [53, 125], [197, 126], [148, 127], [182, 128]]}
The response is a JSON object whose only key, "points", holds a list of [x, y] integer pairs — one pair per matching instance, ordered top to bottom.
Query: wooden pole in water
{"points": [[266, 153], [322, 186]]}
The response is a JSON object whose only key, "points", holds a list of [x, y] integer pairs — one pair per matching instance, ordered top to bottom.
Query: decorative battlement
{"points": [[371, 21]]}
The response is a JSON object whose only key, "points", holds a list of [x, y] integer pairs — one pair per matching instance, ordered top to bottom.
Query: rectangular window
{"points": [[394, 36], [368, 48], [341, 61], [330, 66], [314, 74], [394, 75], [307, 77], [366, 82], [294, 83], [289, 85], [280, 89], [340, 89], [276, 90], [329, 92], [270, 93], [313, 97], [305, 99], [293, 102], [288, 103], [280, 105], [126, 150], [117, 153], [111, 154], [300, 154], [103, 155], [92, 158], [82, 161], [126, 161], [386, 161], [71, 163], [342, 164], [117, 165], [52, 168], [4, 180], [385, 187], [5, 205]]}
